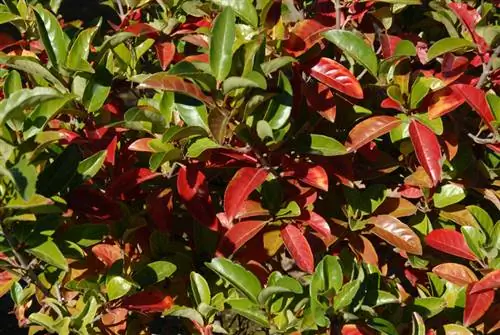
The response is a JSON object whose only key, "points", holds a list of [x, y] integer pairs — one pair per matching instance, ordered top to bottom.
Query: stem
{"points": [[120, 8], [337, 14], [487, 69], [479, 140], [25, 264]]}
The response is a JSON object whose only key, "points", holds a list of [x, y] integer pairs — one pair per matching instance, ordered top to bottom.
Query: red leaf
{"points": [[469, 17], [140, 29], [304, 35], [196, 39], [389, 43], [165, 51], [335, 75], [168, 82], [320, 98], [476, 99], [443, 101], [389, 103], [370, 129], [141, 145], [427, 150], [111, 151], [310, 174], [244, 182], [123, 186], [193, 191], [93, 204], [160, 208], [251, 208], [319, 224], [397, 233], [238, 235], [451, 242], [362, 247], [299, 248], [107, 253], [455, 273], [488, 282], [152, 301], [476, 304], [114, 321], [353, 329]]}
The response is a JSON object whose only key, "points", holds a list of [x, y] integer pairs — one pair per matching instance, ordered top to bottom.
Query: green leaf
{"points": [[402, 2], [243, 8], [6, 17], [53, 37], [221, 44], [448, 44], [354, 47], [405, 48], [79, 52], [276, 64], [33, 67], [12, 83], [233, 83], [420, 88], [97, 89], [24, 98], [494, 102], [280, 108], [192, 111], [43, 113], [145, 119], [218, 120], [264, 130], [176, 133], [322, 145], [200, 146], [89, 167], [57, 176], [24, 177], [448, 194], [366, 200], [482, 217], [86, 234], [475, 240], [49, 253], [330, 271], [154, 272], [240, 278], [283, 285], [117, 287], [200, 289], [346, 295], [376, 298], [428, 307], [249, 310], [185, 312], [87, 314], [43, 320], [418, 325], [383, 326], [454, 329]]}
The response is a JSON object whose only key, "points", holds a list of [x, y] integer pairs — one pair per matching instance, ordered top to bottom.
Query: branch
{"points": [[120, 9], [337, 14], [487, 69], [479, 140]]}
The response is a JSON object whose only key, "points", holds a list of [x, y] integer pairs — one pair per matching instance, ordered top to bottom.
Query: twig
{"points": [[120, 8], [337, 14], [487, 69], [479, 140], [25, 265]]}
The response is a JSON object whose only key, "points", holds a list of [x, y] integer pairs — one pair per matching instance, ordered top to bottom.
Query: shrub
{"points": [[250, 166]]}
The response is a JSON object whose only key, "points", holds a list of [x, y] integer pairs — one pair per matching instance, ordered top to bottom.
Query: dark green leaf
{"points": [[243, 8], [79, 52], [12, 83], [55, 177], [200, 289], [346, 295], [249, 310]]}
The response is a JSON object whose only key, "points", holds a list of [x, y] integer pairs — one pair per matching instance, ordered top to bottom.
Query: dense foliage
{"points": [[245, 167]]}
